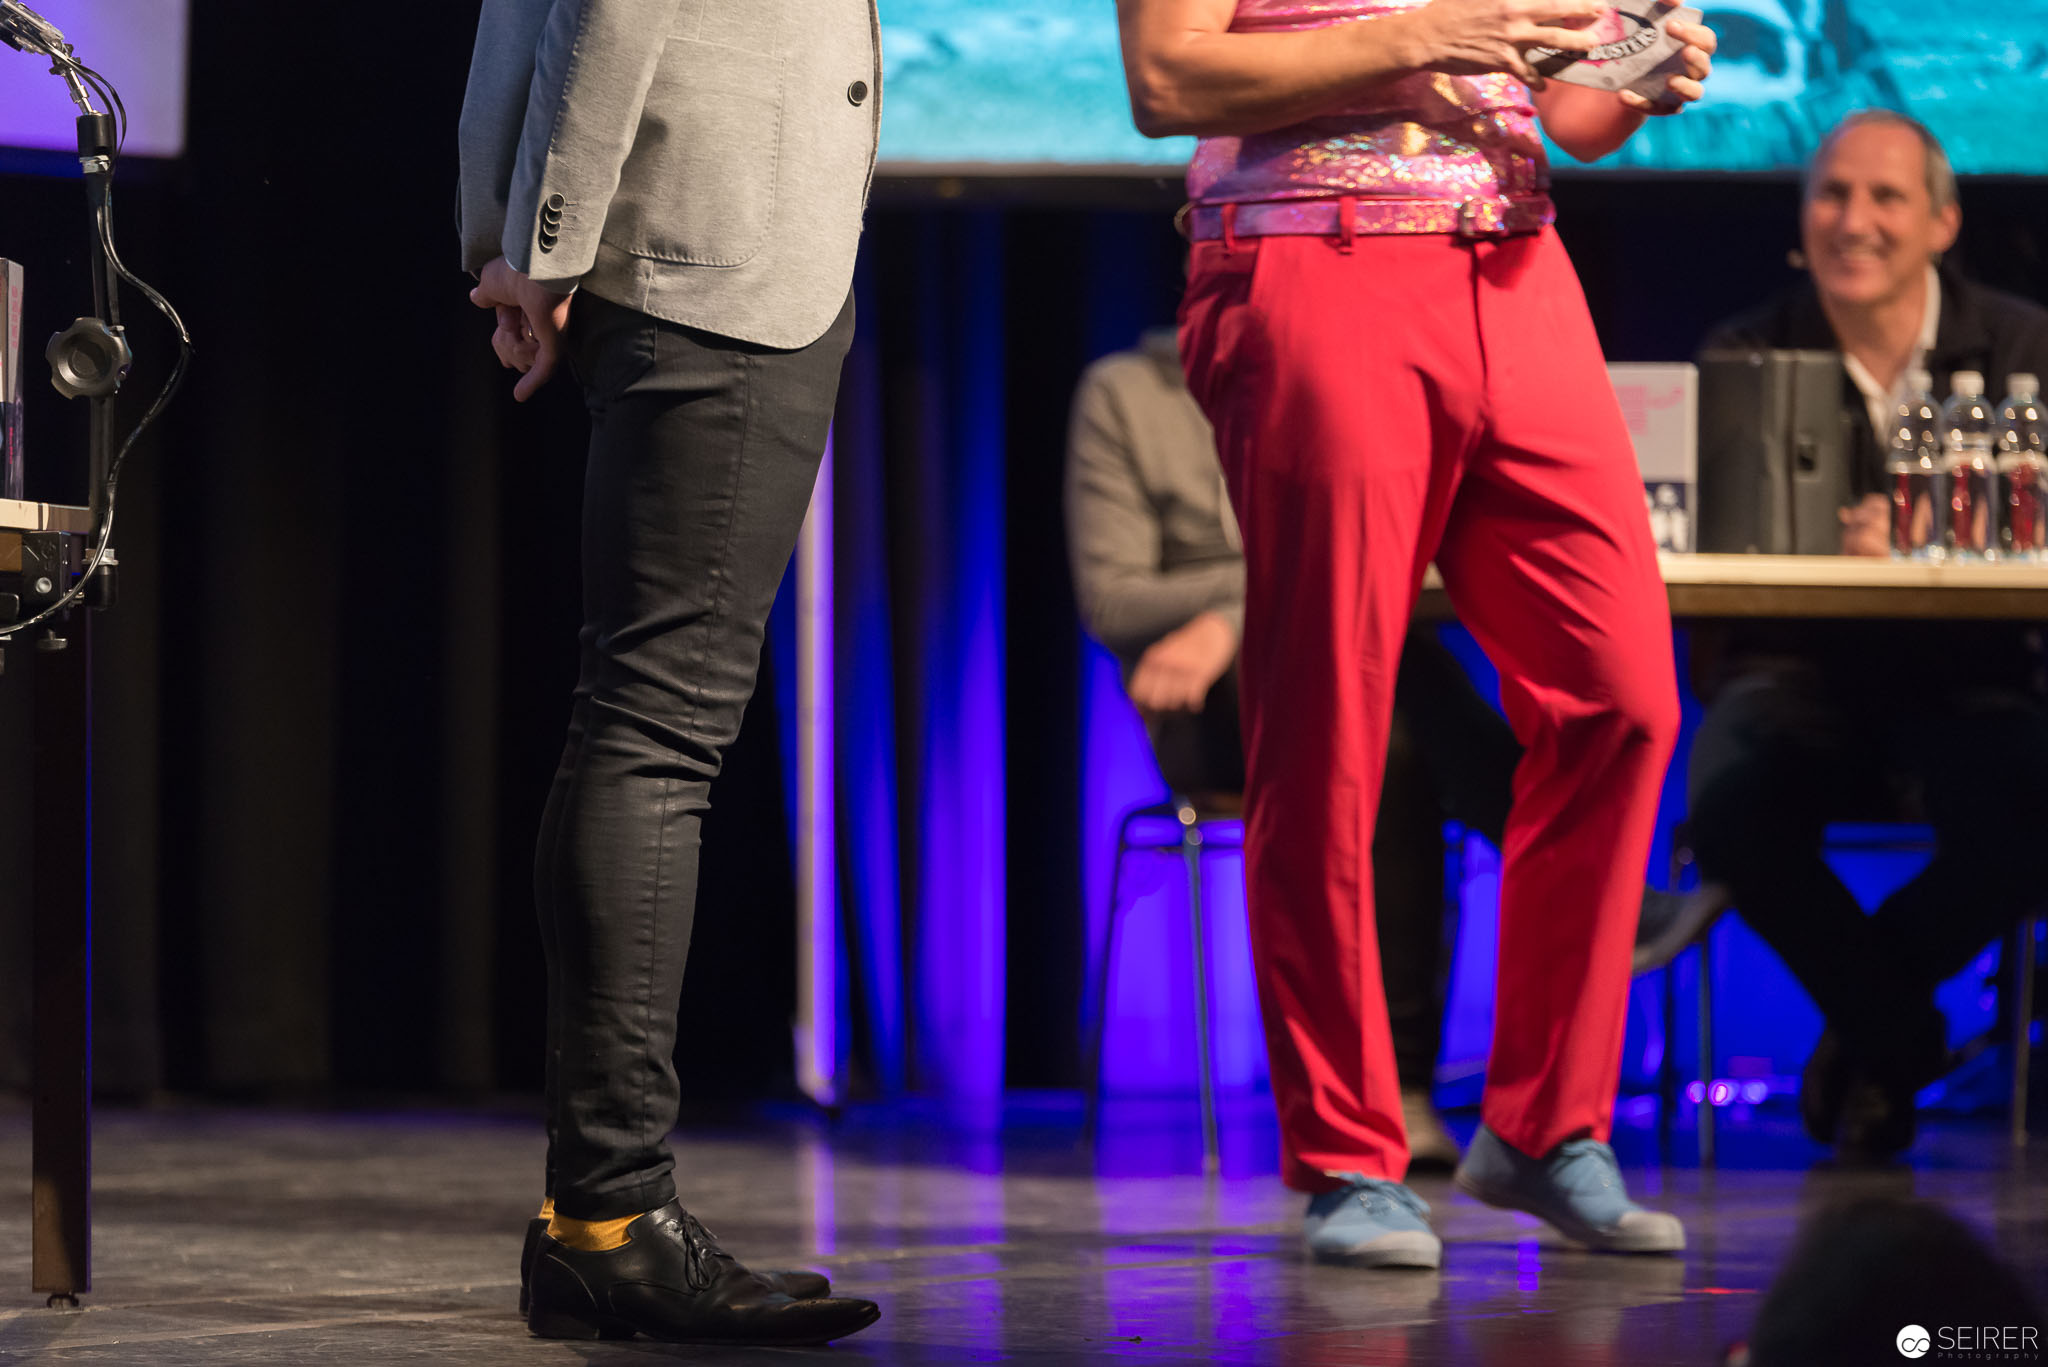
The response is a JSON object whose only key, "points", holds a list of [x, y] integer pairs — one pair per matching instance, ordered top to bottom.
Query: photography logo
{"points": [[1913, 1342]]}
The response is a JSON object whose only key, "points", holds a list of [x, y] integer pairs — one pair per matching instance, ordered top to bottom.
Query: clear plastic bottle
{"points": [[1968, 439], [2023, 470], [1918, 474]]}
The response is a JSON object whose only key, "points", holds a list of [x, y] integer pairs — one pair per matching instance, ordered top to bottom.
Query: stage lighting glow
{"points": [[139, 45]]}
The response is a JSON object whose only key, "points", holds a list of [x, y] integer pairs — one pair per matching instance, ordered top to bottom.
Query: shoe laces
{"points": [[1378, 1196], [707, 1260]]}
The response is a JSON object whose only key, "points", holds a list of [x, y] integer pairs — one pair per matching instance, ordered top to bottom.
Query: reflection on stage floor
{"points": [[267, 1236]]}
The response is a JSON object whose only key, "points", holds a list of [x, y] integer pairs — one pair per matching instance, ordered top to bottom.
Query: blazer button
{"points": [[857, 92], [555, 202]]}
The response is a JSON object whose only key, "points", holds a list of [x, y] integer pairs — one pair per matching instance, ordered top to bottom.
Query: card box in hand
{"points": [[1636, 51]]}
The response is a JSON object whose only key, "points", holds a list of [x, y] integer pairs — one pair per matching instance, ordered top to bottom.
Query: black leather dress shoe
{"points": [[1824, 1087], [1864, 1105], [671, 1281], [794, 1283]]}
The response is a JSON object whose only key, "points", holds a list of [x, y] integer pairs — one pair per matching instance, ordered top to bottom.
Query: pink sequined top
{"points": [[1425, 136]]}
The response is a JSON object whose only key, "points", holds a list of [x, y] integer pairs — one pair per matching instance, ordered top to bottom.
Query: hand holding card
{"points": [[1637, 51]]}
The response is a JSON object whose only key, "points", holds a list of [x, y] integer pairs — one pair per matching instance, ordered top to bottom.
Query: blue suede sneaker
{"points": [[1576, 1187], [1370, 1222]]}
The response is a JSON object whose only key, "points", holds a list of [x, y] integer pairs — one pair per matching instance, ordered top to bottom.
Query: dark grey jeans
{"points": [[703, 453]]}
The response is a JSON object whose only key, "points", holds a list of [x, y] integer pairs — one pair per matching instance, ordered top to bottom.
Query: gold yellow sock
{"points": [[547, 1209], [590, 1236]]}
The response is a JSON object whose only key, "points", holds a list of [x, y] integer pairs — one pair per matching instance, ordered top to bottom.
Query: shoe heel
{"points": [[560, 1306], [566, 1324]]}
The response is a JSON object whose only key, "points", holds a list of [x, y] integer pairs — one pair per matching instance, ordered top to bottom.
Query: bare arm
{"points": [[1188, 73]]}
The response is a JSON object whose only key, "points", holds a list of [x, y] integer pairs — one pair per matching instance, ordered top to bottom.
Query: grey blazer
{"points": [[703, 161]]}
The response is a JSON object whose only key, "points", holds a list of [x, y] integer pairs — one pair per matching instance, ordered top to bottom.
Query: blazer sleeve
{"points": [[592, 68], [493, 110]]}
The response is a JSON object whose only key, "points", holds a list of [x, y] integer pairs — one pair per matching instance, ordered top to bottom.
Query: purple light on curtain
{"points": [[139, 44], [962, 855], [871, 892], [1149, 1045]]}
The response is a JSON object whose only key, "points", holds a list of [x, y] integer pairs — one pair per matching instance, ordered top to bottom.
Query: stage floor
{"points": [[251, 1236]]}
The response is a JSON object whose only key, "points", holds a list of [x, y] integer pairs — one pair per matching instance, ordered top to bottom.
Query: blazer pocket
{"points": [[700, 185]]}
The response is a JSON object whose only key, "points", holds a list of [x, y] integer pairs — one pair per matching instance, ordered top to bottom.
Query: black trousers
{"points": [[703, 454], [1783, 752], [1449, 755]]}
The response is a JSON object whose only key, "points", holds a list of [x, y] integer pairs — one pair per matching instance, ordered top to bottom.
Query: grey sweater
{"points": [[1149, 527]]}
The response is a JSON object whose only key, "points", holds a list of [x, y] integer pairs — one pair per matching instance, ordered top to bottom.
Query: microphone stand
{"points": [[96, 156], [89, 359]]}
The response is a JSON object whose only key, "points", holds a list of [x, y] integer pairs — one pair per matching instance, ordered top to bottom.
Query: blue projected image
{"points": [[982, 84]]}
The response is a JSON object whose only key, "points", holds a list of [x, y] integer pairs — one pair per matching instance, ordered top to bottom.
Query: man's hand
{"points": [[1477, 37], [1698, 53], [531, 320], [1867, 525], [1176, 674]]}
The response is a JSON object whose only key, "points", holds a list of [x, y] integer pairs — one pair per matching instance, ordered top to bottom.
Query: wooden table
{"points": [[1705, 587]]}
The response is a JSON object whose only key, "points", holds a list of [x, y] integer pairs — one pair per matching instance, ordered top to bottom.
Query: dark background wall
{"points": [[331, 697]]}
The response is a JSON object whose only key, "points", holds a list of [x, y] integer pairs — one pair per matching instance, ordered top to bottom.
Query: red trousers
{"points": [[1378, 405]]}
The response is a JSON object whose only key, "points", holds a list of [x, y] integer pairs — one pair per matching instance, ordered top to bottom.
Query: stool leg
{"points": [[1191, 851], [2022, 980], [1706, 1000], [1098, 1024]]}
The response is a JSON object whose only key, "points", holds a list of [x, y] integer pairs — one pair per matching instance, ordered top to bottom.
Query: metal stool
{"points": [[1193, 830]]}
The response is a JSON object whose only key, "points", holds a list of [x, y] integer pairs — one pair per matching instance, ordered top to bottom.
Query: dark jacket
{"points": [[1979, 329], [1875, 663]]}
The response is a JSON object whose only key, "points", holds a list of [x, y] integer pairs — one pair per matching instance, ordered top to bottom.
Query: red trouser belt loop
{"points": [[1347, 221], [1229, 228]]}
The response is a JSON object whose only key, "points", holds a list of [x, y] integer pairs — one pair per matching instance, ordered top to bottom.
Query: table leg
{"points": [[62, 803]]}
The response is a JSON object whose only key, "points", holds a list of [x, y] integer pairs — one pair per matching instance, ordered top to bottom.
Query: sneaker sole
{"points": [[1599, 1242], [1389, 1250]]}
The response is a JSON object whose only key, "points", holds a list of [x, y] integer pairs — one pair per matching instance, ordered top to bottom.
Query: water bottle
{"points": [[1968, 438], [2023, 469], [1918, 474]]}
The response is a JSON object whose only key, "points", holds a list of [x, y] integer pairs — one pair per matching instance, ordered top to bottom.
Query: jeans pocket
{"points": [[609, 346]]}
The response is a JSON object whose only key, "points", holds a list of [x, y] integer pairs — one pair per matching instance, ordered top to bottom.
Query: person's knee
{"points": [[1642, 713], [1653, 716], [1750, 815]]}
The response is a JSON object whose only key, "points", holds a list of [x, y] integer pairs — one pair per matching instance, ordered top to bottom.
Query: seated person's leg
{"points": [[1467, 751], [1202, 753], [1976, 757], [1980, 761], [1773, 763]]}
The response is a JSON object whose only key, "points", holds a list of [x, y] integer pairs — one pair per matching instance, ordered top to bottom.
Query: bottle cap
{"points": [[1919, 381], [2019, 382], [1968, 384]]}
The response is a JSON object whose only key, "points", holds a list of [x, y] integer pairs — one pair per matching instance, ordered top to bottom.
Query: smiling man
{"points": [[1878, 216], [1849, 721]]}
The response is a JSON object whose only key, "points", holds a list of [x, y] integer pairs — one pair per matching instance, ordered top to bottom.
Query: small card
{"points": [[1635, 53]]}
